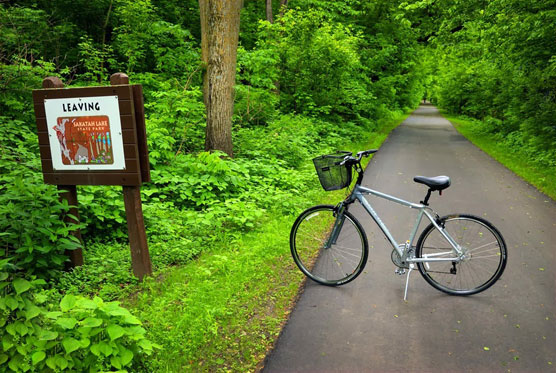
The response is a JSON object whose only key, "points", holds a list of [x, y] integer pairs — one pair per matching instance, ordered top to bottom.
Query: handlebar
{"points": [[354, 160]]}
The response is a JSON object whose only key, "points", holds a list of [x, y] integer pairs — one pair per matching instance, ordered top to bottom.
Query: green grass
{"points": [[538, 174], [225, 310]]}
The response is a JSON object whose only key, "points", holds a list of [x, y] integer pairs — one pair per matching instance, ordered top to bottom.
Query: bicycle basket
{"points": [[332, 175]]}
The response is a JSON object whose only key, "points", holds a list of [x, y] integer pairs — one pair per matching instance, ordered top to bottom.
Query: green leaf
{"points": [[21, 285], [11, 302], [68, 302], [86, 303], [113, 309], [32, 311], [53, 315], [130, 319], [66, 322], [91, 322], [21, 328], [11, 329], [115, 331], [47, 335], [7, 342], [85, 342], [70, 344], [145, 344], [105, 348], [95, 349], [23, 350], [126, 356], [37, 357], [61, 361], [116, 362], [51, 363], [14, 365]]}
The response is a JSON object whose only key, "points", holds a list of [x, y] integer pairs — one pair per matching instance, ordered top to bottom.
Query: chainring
{"points": [[397, 260]]}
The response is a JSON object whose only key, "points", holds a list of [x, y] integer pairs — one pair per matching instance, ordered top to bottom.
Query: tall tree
{"points": [[269, 16], [219, 40]]}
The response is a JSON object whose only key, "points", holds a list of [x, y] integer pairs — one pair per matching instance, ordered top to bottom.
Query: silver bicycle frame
{"points": [[359, 193]]}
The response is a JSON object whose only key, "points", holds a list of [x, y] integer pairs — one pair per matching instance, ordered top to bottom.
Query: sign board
{"points": [[85, 133], [92, 135], [96, 136]]}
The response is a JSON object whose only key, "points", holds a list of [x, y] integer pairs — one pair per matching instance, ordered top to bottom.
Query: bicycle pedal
{"points": [[400, 271]]}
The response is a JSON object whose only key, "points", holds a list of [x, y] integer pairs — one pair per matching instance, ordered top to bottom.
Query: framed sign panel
{"points": [[85, 133], [92, 136]]}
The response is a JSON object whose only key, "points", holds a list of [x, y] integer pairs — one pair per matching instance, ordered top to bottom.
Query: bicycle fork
{"points": [[338, 225]]}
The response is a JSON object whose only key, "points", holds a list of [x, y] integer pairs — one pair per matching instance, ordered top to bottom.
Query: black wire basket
{"points": [[332, 174]]}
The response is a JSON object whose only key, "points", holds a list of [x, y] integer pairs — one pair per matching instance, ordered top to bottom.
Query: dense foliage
{"points": [[496, 61], [321, 76]]}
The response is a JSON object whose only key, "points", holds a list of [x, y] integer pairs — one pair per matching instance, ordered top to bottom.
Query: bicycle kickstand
{"points": [[411, 267]]}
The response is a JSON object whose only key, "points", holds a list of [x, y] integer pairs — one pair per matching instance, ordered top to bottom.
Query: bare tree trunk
{"points": [[269, 17], [219, 40]]}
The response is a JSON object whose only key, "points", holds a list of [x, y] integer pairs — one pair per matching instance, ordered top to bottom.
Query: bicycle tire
{"points": [[485, 255], [337, 264]]}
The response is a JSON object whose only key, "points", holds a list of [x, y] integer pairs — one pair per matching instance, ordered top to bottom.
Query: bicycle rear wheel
{"points": [[328, 248], [483, 261]]}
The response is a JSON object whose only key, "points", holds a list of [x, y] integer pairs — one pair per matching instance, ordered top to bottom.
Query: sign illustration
{"points": [[85, 133], [84, 140]]}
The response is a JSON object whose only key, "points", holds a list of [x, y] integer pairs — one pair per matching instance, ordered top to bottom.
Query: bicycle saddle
{"points": [[434, 183]]}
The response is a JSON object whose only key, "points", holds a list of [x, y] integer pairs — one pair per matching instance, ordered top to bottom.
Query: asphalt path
{"points": [[366, 325]]}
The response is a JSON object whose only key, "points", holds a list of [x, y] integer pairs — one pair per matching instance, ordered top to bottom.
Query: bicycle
{"points": [[459, 254]]}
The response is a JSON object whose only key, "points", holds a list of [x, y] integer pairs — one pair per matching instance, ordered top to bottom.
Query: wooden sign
{"points": [[92, 135], [96, 136]]}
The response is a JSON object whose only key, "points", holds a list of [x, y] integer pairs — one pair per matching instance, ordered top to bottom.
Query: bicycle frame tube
{"points": [[359, 192]]}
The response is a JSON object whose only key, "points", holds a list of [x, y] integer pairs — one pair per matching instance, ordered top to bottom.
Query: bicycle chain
{"points": [[446, 273]]}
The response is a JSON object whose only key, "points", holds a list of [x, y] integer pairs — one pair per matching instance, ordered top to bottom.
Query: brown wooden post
{"points": [[68, 193], [140, 258]]}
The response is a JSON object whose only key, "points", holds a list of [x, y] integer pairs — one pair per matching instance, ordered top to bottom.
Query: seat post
{"points": [[426, 201]]}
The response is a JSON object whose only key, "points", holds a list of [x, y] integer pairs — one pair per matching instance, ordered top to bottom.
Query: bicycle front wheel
{"points": [[329, 248], [484, 255]]}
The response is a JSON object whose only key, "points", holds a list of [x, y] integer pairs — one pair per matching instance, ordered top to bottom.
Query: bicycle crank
{"points": [[398, 262]]}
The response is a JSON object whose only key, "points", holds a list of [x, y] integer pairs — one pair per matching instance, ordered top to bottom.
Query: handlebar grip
{"points": [[365, 153]]}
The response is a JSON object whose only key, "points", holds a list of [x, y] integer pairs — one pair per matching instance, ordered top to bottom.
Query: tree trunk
{"points": [[269, 17], [219, 40]]}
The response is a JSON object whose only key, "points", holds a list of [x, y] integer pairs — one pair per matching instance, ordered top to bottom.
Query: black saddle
{"points": [[434, 183]]}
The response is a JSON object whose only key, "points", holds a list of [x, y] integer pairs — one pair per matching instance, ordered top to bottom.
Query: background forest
{"points": [[322, 75]]}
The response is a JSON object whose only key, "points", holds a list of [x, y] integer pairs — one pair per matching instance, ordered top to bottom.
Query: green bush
{"points": [[33, 235], [78, 334]]}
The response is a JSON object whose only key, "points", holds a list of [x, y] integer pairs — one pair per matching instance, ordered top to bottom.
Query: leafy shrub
{"points": [[321, 71], [175, 116], [196, 181], [102, 211], [33, 235], [106, 273], [78, 334]]}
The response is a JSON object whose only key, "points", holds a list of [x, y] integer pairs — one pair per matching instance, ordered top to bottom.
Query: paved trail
{"points": [[366, 326]]}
